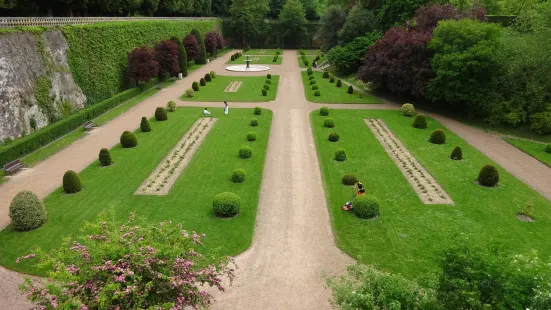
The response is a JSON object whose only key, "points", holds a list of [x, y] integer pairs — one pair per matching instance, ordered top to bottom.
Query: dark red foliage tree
{"points": [[427, 16], [220, 41], [211, 43], [191, 46], [166, 54], [142, 66]]}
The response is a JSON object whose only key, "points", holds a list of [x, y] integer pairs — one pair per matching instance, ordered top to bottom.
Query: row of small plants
{"points": [[236, 56], [276, 57], [326, 75], [267, 85], [195, 86], [227, 204]]}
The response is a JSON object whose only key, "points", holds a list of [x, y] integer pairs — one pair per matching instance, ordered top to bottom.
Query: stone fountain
{"points": [[247, 67]]}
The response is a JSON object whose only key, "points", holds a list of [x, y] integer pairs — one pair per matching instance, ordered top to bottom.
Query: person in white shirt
{"points": [[226, 108], [206, 112]]}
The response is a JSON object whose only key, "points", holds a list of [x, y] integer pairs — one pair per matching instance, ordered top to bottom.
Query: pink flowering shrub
{"points": [[133, 266]]}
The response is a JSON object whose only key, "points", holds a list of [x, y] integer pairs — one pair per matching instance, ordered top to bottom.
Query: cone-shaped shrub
{"points": [[325, 75], [269, 76], [207, 77], [332, 80], [202, 82], [339, 83], [195, 86], [350, 89], [264, 92], [171, 106], [408, 109], [257, 111], [324, 111], [160, 114], [420, 121], [254, 122], [329, 123], [144, 125], [251, 136], [333, 137], [438, 137], [128, 140], [548, 148], [245, 152], [457, 153], [340, 155], [105, 157], [238, 176], [488, 176], [349, 179], [71, 182], [226, 204], [365, 206], [27, 211]]}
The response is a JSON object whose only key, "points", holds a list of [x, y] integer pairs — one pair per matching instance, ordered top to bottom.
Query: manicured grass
{"points": [[267, 51], [310, 52], [264, 60], [310, 61], [349, 78], [250, 90], [330, 93], [532, 148], [189, 201], [409, 235]]}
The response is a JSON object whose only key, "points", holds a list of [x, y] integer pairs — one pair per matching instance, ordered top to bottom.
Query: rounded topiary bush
{"points": [[309, 71], [212, 74], [325, 75], [269, 76], [207, 77], [311, 77], [332, 80], [202, 82], [269, 82], [313, 82], [339, 83], [195, 86], [266, 87], [315, 87], [350, 90], [264, 92], [190, 93], [317, 93], [171, 106], [408, 110], [257, 111], [324, 111], [160, 114], [420, 121], [254, 122], [329, 123], [144, 125], [251, 136], [333, 137], [438, 137], [128, 140], [548, 148], [245, 152], [457, 153], [340, 155], [105, 157], [238, 176], [488, 176], [349, 179], [71, 182], [226, 204], [365, 206], [27, 211]]}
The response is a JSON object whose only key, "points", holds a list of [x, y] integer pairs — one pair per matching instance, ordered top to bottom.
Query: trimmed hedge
{"points": [[309, 71], [269, 76], [207, 77], [311, 77], [332, 80], [202, 82], [269, 82], [312, 82], [339, 83], [195, 86], [266, 87], [315, 87], [350, 89], [264, 92], [317, 93], [408, 109], [257, 111], [324, 111], [160, 114], [420, 121], [328, 122], [144, 125], [251, 136], [333, 137], [438, 137], [128, 140], [245, 152], [457, 153], [340, 155], [104, 157], [238, 176], [488, 176], [349, 179], [71, 182], [226, 204], [365, 206], [27, 211]]}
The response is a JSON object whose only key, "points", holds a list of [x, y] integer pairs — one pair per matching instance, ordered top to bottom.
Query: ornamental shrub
{"points": [[211, 42], [192, 47], [166, 54], [182, 55], [232, 58], [202, 59], [275, 59], [305, 62], [142, 65], [309, 71], [212, 74], [325, 75], [269, 76], [207, 77], [311, 77], [332, 80], [202, 82], [269, 82], [312, 82], [339, 83], [195, 86], [266, 86], [315, 87], [350, 89], [264, 92], [190, 93], [317, 93], [171, 106], [408, 110], [257, 111], [324, 111], [160, 114], [420, 121], [254, 122], [328, 122], [144, 125], [251, 136], [333, 137], [438, 137], [128, 140], [548, 148], [245, 152], [457, 153], [340, 155], [105, 157], [238, 176], [488, 176], [349, 179], [71, 182], [226, 204], [365, 206], [27, 211]]}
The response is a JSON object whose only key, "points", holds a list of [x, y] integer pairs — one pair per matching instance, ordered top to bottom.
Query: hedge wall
{"points": [[98, 52]]}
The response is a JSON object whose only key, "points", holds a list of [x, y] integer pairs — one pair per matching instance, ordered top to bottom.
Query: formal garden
{"points": [[321, 87]]}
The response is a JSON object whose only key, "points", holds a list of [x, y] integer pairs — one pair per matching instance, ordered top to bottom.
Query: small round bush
{"points": [[232, 57], [275, 59], [309, 71], [212, 74], [325, 75], [269, 76], [207, 77], [311, 77], [332, 80], [202, 82], [269, 82], [312, 82], [339, 83], [195, 86], [266, 87], [315, 87], [350, 89], [264, 92], [190, 93], [317, 93], [171, 106], [408, 110], [257, 111], [324, 111], [160, 114], [420, 121], [254, 122], [329, 123], [144, 125], [251, 136], [333, 137], [438, 137], [128, 140], [548, 148], [245, 152], [457, 153], [340, 155], [105, 157], [238, 176], [488, 176], [349, 179], [71, 182], [226, 204], [365, 206], [27, 211]]}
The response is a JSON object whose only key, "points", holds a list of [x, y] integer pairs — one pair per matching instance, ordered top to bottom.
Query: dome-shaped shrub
{"points": [[309, 71], [212, 74], [325, 75], [269, 76], [207, 77], [311, 77], [332, 80], [202, 82], [269, 82], [313, 82], [339, 83], [195, 86], [266, 87], [315, 87], [350, 89], [264, 92], [190, 93], [317, 93], [171, 106], [408, 110], [257, 111], [324, 111], [160, 114], [420, 121], [254, 122], [328, 122], [144, 125], [251, 136], [333, 137], [438, 137], [128, 140], [548, 148], [245, 152], [457, 153], [340, 155], [105, 157], [238, 176], [488, 176], [349, 179], [71, 182], [226, 204], [365, 206], [27, 211]]}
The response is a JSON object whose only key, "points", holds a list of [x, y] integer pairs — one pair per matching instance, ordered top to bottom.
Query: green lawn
{"points": [[262, 51], [310, 52], [262, 60], [310, 61], [250, 90], [332, 94], [532, 148], [189, 201], [408, 235]]}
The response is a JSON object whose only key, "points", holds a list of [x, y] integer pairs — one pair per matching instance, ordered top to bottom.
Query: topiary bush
{"points": [[309, 71], [212, 74], [325, 75], [269, 76], [207, 77], [311, 77], [332, 80], [202, 82], [269, 82], [312, 82], [339, 83], [195, 86], [266, 87], [315, 87], [350, 89], [264, 92], [190, 93], [317, 93], [171, 106], [408, 110], [257, 111], [324, 111], [160, 114], [420, 121], [254, 122], [329, 123], [144, 125], [251, 136], [333, 137], [438, 137], [128, 140], [548, 148], [245, 152], [457, 153], [340, 155], [105, 157], [238, 176], [488, 176], [349, 179], [71, 182], [226, 204], [365, 206], [27, 211]]}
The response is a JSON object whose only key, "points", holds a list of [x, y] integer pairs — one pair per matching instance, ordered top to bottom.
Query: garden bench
{"points": [[89, 125], [13, 166]]}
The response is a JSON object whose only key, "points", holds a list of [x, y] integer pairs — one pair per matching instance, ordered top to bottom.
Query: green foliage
{"points": [[395, 12], [294, 18], [247, 19], [359, 22], [330, 24], [202, 51], [182, 55], [347, 58], [309, 71], [212, 74], [325, 75], [269, 76], [207, 77], [311, 77], [332, 80], [202, 82], [269, 82], [312, 82], [339, 83], [195, 86], [266, 87], [350, 89], [264, 92], [189, 93], [317, 93], [45, 102], [171, 106], [408, 110], [257, 111], [324, 111], [160, 114], [420, 121], [254, 122], [541, 122], [32, 123], [329, 123], [144, 125], [251, 136], [333, 137], [438, 137], [128, 140], [548, 148], [245, 152], [457, 153], [340, 154], [104, 157], [238, 176], [488, 176], [349, 179], [71, 182], [226, 204], [365, 206], [27, 211]]}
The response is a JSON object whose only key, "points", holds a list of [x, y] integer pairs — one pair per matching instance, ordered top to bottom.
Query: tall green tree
{"points": [[275, 8], [247, 18], [293, 19], [359, 22], [331, 23], [202, 51], [182, 56]]}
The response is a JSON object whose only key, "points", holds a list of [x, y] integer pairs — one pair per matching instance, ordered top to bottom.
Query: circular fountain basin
{"points": [[251, 68]]}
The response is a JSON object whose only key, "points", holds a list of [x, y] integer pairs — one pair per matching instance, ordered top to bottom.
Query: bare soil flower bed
{"points": [[233, 86]]}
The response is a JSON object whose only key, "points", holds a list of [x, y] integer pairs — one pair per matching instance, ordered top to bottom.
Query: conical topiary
{"points": [[207, 77], [202, 82], [350, 89], [160, 114], [420, 121], [144, 125], [128, 140], [457, 153], [105, 157], [488, 176], [71, 182]]}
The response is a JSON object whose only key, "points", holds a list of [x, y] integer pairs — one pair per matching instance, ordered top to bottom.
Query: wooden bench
{"points": [[89, 125], [13, 166]]}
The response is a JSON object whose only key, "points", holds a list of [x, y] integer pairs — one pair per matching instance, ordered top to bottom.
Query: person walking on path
{"points": [[226, 108]]}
